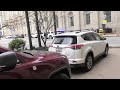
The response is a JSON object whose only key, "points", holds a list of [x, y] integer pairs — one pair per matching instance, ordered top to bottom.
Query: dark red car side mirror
{"points": [[8, 61]]}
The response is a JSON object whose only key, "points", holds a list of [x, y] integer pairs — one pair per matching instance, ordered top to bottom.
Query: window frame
{"points": [[108, 16], [87, 19], [71, 22]]}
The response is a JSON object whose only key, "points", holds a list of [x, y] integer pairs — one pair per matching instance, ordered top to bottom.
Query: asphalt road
{"points": [[104, 68]]}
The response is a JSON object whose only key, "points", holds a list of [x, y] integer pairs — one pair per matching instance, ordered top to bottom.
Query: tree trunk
{"points": [[37, 27], [29, 32]]}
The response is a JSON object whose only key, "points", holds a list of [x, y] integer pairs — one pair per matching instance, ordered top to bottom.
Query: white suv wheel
{"points": [[106, 51], [89, 62]]}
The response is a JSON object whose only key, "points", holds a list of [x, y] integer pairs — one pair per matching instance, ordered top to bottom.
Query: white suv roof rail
{"points": [[77, 31]]}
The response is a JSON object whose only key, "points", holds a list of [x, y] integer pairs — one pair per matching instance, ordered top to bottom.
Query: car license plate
{"points": [[58, 50]]}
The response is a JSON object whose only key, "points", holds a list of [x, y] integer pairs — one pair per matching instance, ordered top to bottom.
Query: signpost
{"points": [[104, 21], [104, 24]]}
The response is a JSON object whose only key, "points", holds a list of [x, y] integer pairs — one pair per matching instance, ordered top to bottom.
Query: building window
{"points": [[107, 16], [87, 17], [71, 18], [71, 21]]}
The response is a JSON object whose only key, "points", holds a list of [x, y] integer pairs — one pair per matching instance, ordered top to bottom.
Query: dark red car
{"points": [[37, 65]]}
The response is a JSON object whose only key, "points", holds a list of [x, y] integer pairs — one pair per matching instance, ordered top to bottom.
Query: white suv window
{"points": [[98, 36], [88, 37], [65, 40]]}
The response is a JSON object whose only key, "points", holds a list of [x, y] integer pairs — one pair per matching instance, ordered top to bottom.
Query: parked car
{"points": [[101, 31], [34, 35], [50, 35], [11, 36], [20, 36], [81, 48], [37, 65]]}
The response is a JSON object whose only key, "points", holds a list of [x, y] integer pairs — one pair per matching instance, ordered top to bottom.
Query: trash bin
{"points": [[108, 30]]}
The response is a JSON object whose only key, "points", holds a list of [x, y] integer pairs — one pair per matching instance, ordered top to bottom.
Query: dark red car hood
{"points": [[33, 52], [37, 53], [45, 55]]}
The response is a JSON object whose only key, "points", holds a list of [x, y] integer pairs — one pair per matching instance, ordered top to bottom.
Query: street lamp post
{"points": [[54, 19], [28, 27]]}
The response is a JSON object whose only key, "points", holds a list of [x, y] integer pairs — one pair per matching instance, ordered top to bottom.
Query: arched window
{"points": [[71, 18]]}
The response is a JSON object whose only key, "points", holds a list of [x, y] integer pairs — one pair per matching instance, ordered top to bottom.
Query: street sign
{"points": [[104, 21]]}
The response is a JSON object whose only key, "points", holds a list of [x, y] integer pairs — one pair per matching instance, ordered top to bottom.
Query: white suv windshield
{"points": [[65, 40]]}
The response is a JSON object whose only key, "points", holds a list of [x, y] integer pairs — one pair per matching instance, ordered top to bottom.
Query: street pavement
{"points": [[4, 42], [113, 42], [104, 68]]}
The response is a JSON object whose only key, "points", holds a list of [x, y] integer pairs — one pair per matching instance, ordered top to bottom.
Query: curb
{"points": [[110, 36], [114, 46]]}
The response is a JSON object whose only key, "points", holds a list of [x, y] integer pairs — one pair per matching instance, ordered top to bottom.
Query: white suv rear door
{"points": [[91, 43], [102, 43], [62, 44]]}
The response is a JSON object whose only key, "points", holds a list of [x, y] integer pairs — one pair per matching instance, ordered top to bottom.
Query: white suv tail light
{"points": [[75, 46]]}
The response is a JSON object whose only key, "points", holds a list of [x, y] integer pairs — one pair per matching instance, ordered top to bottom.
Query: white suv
{"points": [[81, 48]]}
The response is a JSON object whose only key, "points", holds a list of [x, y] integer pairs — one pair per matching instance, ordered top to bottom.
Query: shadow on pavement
{"points": [[97, 61], [76, 70], [79, 70]]}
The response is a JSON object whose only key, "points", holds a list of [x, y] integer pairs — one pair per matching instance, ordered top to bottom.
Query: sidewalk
{"points": [[112, 35], [114, 46]]}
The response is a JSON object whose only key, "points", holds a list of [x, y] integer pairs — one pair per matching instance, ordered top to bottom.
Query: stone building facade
{"points": [[67, 20]]}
